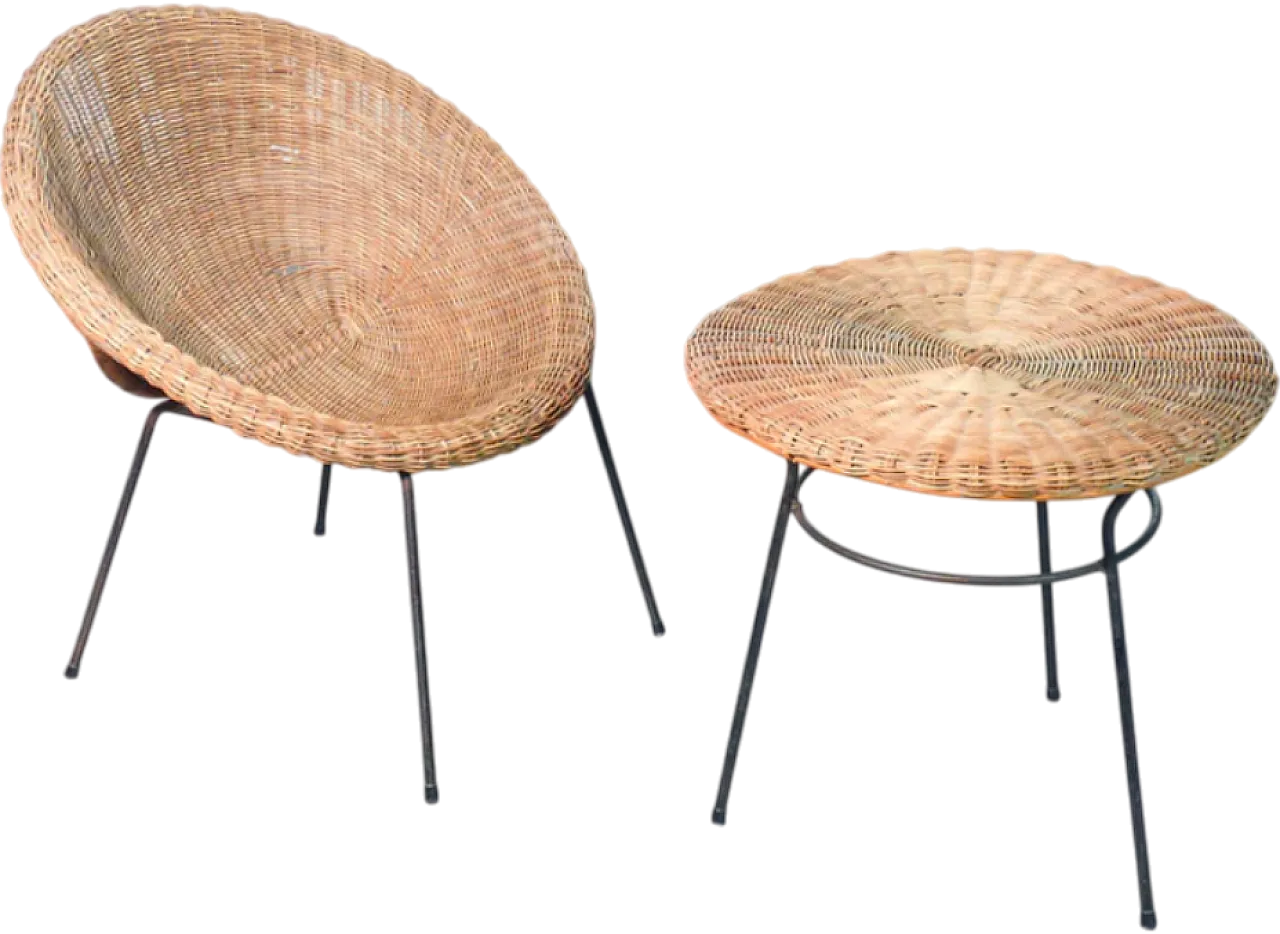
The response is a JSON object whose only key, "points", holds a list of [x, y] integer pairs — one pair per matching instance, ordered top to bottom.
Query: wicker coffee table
{"points": [[285, 236], [993, 375]]}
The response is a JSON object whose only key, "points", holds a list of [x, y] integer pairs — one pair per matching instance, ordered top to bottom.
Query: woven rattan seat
{"points": [[294, 239], [985, 374]]}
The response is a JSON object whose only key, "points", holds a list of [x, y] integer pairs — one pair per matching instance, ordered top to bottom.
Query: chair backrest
{"points": [[257, 196]]}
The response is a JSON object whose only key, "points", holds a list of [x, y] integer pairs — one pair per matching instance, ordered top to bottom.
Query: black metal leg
{"points": [[322, 510], [122, 512], [623, 512], [1112, 570], [1046, 600], [419, 639], [753, 648]]}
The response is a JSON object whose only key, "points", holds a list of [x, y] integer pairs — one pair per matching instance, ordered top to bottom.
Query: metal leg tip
{"points": [[319, 528], [659, 630], [73, 672], [1054, 694], [433, 794], [717, 816], [1149, 919]]}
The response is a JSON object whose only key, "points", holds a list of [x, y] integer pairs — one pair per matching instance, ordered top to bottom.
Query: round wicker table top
{"points": [[1000, 375]]}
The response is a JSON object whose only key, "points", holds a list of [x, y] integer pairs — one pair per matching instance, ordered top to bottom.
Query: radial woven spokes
{"points": [[294, 239], [987, 374]]}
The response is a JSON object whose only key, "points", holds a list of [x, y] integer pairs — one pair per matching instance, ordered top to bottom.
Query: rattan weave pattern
{"points": [[294, 239], [1003, 375]]}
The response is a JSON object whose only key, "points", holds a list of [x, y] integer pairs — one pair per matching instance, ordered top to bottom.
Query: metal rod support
{"points": [[322, 509], [122, 513], [623, 513], [411, 540], [1109, 565], [982, 580], [1046, 602], [757, 638], [419, 639], [1123, 688]]}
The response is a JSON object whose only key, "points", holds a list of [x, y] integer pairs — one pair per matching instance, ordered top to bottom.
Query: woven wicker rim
{"points": [[1003, 375], [434, 385]]}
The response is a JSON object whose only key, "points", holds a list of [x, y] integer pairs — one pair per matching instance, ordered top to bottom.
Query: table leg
{"points": [[1112, 570], [1046, 600], [757, 637]]}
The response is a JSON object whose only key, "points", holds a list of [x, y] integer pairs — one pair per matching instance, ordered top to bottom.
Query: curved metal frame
{"points": [[411, 540], [1108, 564], [979, 578]]}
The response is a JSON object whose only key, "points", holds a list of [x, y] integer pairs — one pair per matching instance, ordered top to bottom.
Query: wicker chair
{"points": [[288, 237], [984, 374]]}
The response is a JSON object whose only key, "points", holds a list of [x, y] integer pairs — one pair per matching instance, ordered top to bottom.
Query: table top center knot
{"points": [[983, 357]]}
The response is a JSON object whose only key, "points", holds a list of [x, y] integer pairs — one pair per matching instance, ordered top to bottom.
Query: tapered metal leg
{"points": [[322, 510], [122, 512], [623, 512], [1112, 570], [1046, 600], [419, 639], [753, 648]]}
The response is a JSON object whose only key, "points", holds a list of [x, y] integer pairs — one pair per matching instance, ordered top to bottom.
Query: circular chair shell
{"points": [[295, 240]]}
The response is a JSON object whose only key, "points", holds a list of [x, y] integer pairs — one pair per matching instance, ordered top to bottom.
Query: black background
{"points": [[243, 665]]}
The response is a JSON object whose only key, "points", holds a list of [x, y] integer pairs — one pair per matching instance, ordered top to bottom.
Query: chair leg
{"points": [[616, 485], [322, 509], [122, 513], [1112, 570], [1046, 599], [419, 639], [753, 648]]}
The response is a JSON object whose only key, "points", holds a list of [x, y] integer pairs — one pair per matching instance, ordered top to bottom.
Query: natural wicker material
{"points": [[294, 239], [987, 374]]}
